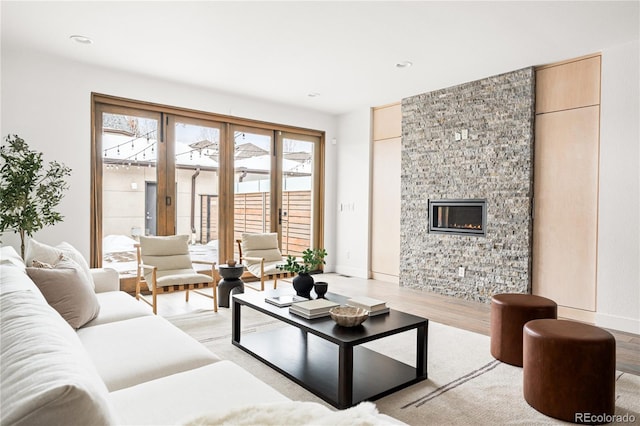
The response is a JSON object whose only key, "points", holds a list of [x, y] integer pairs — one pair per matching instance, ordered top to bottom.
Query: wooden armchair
{"points": [[260, 255], [164, 264]]}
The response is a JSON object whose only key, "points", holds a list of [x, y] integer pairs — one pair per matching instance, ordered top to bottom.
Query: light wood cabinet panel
{"points": [[570, 85], [387, 122], [566, 207], [385, 208]]}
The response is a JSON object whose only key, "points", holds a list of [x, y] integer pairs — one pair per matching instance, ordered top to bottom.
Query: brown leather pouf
{"points": [[509, 313], [569, 370]]}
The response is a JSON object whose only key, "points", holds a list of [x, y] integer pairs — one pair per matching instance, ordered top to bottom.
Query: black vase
{"points": [[303, 284], [321, 288]]}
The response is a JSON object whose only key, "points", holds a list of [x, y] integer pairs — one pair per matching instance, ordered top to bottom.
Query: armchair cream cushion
{"points": [[259, 246], [166, 253], [170, 255], [165, 266]]}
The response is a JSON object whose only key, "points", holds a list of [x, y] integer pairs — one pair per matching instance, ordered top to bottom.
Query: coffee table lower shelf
{"points": [[312, 362]]}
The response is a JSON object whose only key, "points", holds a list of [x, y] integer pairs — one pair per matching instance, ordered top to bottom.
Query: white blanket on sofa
{"points": [[295, 413]]}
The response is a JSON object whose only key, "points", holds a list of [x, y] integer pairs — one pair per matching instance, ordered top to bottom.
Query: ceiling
{"points": [[343, 51]]}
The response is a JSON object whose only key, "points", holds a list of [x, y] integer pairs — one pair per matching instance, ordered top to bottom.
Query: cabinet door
{"points": [[571, 85], [387, 122], [566, 207], [385, 210]]}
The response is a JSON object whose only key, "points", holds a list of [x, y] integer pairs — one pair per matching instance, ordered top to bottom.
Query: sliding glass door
{"points": [[129, 142], [253, 164], [166, 171], [194, 177], [275, 187], [298, 189]]}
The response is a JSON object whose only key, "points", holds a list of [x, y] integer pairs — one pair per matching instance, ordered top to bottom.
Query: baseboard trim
{"points": [[352, 272], [385, 277], [576, 314], [614, 322]]}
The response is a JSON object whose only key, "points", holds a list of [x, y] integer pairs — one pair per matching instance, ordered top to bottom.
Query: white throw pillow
{"points": [[48, 254], [67, 290]]}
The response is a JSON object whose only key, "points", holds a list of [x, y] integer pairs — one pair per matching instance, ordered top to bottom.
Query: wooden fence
{"points": [[251, 214]]}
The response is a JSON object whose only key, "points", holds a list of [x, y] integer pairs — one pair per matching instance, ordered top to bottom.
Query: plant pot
{"points": [[303, 284]]}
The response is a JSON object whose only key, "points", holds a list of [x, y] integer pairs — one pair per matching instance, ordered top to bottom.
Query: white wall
{"points": [[47, 101], [352, 193], [618, 299]]}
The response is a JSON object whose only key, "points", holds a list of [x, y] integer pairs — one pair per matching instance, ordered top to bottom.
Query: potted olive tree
{"points": [[29, 193], [311, 260]]}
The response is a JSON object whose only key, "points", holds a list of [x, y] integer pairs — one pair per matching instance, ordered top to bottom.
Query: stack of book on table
{"points": [[284, 300], [374, 306], [311, 309]]}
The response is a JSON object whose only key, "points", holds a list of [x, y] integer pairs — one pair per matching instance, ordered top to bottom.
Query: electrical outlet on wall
{"points": [[461, 271]]}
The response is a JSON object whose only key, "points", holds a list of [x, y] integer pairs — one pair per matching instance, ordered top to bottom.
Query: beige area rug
{"points": [[466, 386]]}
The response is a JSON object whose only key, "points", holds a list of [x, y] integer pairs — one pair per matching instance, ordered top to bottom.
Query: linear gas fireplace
{"points": [[461, 217]]}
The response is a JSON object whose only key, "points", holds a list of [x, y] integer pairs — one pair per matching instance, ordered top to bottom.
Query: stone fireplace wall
{"points": [[472, 141]]}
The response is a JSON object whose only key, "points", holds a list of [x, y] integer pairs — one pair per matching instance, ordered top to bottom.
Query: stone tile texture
{"points": [[494, 163]]}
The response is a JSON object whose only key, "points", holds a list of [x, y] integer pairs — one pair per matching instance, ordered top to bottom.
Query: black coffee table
{"points": [[329, 360]]}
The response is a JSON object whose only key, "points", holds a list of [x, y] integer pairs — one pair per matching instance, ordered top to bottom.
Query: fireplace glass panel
{"points": [[458, 217]]}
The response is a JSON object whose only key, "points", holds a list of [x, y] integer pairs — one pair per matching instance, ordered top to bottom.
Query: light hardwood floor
{"points": [[472, 316]]}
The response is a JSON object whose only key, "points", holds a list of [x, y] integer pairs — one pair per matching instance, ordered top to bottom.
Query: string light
{"points": [[130, 141]]}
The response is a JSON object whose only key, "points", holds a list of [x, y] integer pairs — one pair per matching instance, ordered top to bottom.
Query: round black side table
{"points": [[230, 283]]}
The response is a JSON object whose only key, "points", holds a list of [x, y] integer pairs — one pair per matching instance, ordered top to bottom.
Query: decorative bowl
{"points": [[348, 316]]}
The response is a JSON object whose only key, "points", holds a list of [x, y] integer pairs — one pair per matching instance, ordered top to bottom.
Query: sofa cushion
{"points": [[48, 254], [10, 257], [15, 279], [105, 279], [68, 291], [118, 306], [150, 347], [47, 377], [220, 385]]}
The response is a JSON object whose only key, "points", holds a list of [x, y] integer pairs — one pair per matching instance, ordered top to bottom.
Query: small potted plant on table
{"points": [[311, 260]]}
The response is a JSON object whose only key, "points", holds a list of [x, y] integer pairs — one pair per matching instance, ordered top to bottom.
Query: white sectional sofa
{"points": [[125, 367]]}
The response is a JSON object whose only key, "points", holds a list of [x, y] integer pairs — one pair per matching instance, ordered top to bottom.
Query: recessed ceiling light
{"points": [[81, 39], [404, 64], [313, 94]]}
